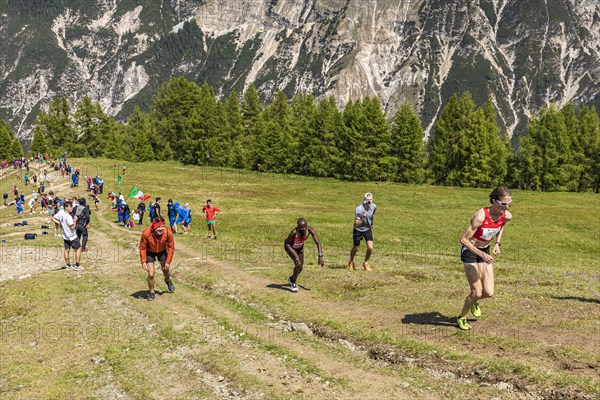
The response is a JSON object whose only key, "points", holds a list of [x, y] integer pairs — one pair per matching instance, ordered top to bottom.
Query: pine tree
{"points": [[174, 108], [92, 125], [57, 126], [317, 127], [234, 128], [377, 137], [6, 138], [589, 140], [348, 142], [276, 143], [38, 144], [246, 144], [407, 146], [448, 147], [499, 148], [143, 149], [16, 150], [544, 152], [573, 162]]}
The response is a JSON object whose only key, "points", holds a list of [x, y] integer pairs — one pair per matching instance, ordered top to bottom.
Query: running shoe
{"points": [[209, 237], [351, 265], [68, 266], [366, 266], [77, 267], [170, 285], [293, 285], [151, 296], [475, 310], [463, 324]]}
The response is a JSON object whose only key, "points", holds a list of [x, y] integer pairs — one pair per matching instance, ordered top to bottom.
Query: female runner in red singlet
{"points": [[475, 253]]}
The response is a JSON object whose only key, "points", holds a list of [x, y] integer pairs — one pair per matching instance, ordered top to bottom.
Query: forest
{"points": [[359, 142]]}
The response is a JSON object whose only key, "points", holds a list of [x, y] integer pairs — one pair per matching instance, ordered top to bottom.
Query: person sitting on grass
{"points": [[294, 246]]}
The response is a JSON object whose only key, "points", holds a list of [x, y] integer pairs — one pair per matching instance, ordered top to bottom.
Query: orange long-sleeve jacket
{"points": [[149, 242]]}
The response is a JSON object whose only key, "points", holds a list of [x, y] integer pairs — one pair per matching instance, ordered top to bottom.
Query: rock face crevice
{"points": [[525, 55]]}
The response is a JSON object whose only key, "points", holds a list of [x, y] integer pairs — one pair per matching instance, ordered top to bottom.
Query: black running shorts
{"points": [[357, 236], [74, 244], [151, 256], [468, 256]]}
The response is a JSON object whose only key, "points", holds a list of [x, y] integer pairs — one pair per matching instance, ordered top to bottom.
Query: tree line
{"points": [[188, 123]]}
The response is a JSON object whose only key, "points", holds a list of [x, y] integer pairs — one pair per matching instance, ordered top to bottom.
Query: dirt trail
{"points": [[264, 366]]}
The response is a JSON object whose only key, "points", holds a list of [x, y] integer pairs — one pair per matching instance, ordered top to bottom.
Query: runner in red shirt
{"points": [[210, 212], [294, 246], [475, 253]]}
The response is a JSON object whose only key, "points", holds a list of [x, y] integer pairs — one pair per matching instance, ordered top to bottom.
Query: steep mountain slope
{"points": [[523, 54]]}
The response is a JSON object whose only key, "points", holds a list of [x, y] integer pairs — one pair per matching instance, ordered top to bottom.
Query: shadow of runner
{"points": [[285, 286], [143, 294], [582, 299], [430, 318]]}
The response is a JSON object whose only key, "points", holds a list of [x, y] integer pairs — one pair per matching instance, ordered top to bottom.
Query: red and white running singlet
{"points": [[489, 228], [299, 242]]}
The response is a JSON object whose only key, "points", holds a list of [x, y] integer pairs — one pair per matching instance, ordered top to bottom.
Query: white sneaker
{"points": [[293, 285]]}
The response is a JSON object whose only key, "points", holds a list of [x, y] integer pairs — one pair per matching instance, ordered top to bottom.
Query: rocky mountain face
{"points": [[524, 54]]}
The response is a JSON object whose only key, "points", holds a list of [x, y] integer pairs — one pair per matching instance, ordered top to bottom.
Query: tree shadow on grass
{"points": [[582, 299], [430, 318]]}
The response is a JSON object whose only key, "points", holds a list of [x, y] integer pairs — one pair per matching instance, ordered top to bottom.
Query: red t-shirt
{"points": [[210, 212]]}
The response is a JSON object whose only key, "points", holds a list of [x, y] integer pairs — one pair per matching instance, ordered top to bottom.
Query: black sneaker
{"points": [[170, 285], [151, 296]]}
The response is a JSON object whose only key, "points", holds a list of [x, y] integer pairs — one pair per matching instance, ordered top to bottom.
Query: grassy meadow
{"points": [[225, 332]]}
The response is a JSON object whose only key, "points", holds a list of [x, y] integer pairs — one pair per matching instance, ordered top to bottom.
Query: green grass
{"points": [[547, 280]]}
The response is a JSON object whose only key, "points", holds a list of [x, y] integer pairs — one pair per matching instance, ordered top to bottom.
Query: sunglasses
{"points": [[507, 204]]}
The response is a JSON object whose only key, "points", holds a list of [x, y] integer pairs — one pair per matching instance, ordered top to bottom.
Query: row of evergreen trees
{"points": [[10, 147], [466, 148]]}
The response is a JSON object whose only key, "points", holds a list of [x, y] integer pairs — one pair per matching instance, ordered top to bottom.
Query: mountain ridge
{"points": [[524, 55]]}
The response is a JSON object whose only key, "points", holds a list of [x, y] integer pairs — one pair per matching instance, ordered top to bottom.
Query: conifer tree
{"points": [[173, 111], [57, 125], [253, 125], [6, 138], [589, 140], [349, 142], [276, 143], [38, 144], [407, 146], [16, 150], [544, 151]]}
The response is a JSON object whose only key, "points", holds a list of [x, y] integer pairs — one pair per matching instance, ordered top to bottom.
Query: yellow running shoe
{"points": [[351, 265], [366, 266], [475, 310], [463, 324]]}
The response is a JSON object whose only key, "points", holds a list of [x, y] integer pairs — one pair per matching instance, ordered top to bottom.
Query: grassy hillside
{"points": [[225, 332]]}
